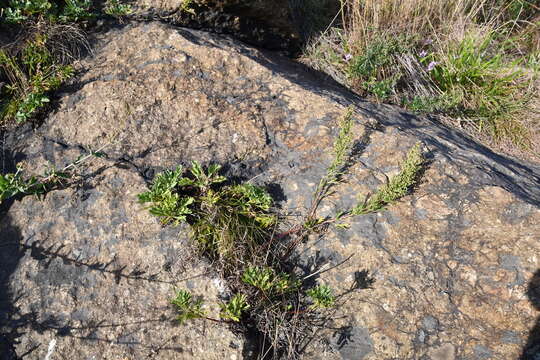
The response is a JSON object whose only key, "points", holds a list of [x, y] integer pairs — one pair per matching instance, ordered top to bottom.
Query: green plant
{"points": [[187, 6], [117, 9], [20, 10], [67, 11], [76, 11], [375, 57], [470, 63], [32, 74], [488, 88], [381, 89], [431, 104], [29, 106], [341, 150], [205, 179], [13, 184], [397, 187], [165, 202], [218, 216], [311, 223], [235, 226], [261, 278], [265, 279], [321, 296], [187, 307], [234, 308]]}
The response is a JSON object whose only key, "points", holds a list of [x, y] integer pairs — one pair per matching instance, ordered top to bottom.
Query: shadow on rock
{"points": [[476, 160], [48, 253], [10, 255], [14, 323], [531, 351]]}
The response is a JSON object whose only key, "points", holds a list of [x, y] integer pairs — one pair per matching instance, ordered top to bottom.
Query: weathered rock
{"points": [[88, 267]]}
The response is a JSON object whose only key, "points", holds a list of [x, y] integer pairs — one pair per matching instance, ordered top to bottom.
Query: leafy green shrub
{"points": [[117, 9], [20, 10], [65, 11], [76, 11], [39, 65], [33, 73], [29, 106], [14, 184], [165, 202], [217, 216], [233, 225], [266, 280]]}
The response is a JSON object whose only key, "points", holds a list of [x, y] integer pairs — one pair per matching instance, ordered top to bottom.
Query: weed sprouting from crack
{"points": [[341, 150], [17, 184], [396, 187], [238, 229], [189, 307]]}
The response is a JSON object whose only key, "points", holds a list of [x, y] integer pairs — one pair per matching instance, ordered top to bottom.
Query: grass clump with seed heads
{"points": [[397, 187]]}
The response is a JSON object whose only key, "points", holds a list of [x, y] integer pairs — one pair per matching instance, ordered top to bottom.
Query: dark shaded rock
{"points": [[272, 24], [353, 343]]}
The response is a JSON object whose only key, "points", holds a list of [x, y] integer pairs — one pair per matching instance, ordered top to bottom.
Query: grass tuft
{"points": [[468, 60]]}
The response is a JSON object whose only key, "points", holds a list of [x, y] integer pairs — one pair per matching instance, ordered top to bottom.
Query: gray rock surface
{"points": [[89, 268]]}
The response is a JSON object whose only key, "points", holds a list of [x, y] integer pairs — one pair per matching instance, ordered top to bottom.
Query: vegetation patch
{"points": [[37, 61], [469, 61], [32, 74], [20, 184], [238, 229]]}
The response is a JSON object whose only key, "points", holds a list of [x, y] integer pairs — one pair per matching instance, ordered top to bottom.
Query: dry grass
{"points": [[364, 20], [467, 60]]}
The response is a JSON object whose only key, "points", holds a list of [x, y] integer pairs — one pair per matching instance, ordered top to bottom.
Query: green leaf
{"points": [[322, 296], [234, 308]]}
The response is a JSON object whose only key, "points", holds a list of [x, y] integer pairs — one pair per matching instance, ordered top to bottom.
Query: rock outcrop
{"points": [[87, 272]]}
